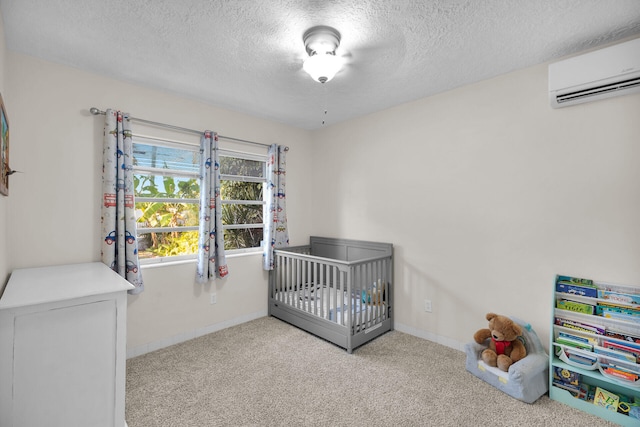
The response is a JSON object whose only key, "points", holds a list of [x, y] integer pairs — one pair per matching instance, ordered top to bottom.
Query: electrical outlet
{"points": [[214, 298], [427, 305]]}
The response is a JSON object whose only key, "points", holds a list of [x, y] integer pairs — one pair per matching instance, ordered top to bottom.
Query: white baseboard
{"points": [[176, 339]]}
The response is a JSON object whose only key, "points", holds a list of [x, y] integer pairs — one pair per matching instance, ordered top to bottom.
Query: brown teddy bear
{"points": [[375, 295], [505, 348]]}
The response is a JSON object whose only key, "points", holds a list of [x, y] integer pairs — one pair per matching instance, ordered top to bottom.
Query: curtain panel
{"points": [[276, 233], [119, 243], [211, 255]]}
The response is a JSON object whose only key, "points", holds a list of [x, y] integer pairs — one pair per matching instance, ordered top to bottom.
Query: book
{"points": [[574, 280], [576, 286], [583, 291], [618, 293], [619, 296], [578, 307], [603, 308], [612, 314], [580, 326], [623, 336], [590, 341], [574, 343], [633, 352], [616, 354], [576, 355], [581, 359], [618, 372], [566, 376], [574, 390], [586, 392], [606, 399]]}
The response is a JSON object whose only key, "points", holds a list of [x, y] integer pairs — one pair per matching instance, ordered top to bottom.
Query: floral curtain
{"points": [[276, 234], [119, 244], [211, 257]]}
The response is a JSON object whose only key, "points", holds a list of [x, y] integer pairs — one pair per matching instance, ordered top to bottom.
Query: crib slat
{"points": [[371, 281], [289, 283], [300, 283], [278, 284], [308, 285], [357, 285], [341, 286], [317, 289], [296, 294], [339, 295], [322, 299], [339, 301], [363, 304], [375, 308]]}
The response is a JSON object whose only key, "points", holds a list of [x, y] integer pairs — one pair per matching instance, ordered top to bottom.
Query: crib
{"points": [[337, 289]]}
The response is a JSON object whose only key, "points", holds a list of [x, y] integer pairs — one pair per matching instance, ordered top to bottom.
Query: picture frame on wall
{"points": [[4, 153]]}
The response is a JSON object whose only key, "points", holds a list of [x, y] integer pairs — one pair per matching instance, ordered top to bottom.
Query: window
{"points": [[167, 191], [243, 204]]}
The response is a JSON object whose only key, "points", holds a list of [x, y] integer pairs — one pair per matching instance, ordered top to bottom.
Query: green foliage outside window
{"points": [[173, 213], [163, 214], [242, 214]]}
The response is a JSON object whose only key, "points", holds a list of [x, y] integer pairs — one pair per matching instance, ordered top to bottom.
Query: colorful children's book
{"points": [[574, 280], [576, 286], [583, 291], [618, 293], [619, 296], [578, 307], [607, 308], [621, 316], [580, 326], [632, 339], [587, 341], [574, 343], [632, 351], [612, 353], [580, 358], [619, 372], [566, 376], [574, 390], [586, 392], [606, 399]]}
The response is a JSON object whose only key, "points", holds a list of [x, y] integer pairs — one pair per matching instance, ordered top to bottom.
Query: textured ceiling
{"points": [[246, 55]]}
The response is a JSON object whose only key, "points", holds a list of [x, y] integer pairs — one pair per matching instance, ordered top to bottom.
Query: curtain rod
{"points": [[95, 111]]}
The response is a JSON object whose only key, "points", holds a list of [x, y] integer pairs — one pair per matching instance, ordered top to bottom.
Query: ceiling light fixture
{"points": [[321, 43]]}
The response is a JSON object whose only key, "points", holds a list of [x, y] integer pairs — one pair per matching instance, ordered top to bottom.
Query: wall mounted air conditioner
{"points": [[600, 74]]}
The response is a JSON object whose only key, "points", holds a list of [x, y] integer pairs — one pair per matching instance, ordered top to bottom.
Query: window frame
{"points": [[192, 147], [263, 180]]}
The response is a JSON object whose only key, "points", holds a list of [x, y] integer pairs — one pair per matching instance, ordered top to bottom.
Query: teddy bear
{"points": [[375, 295], [504, 347]]}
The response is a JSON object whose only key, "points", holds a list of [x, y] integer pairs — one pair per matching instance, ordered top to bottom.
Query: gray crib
{"points": [[338, 289]]}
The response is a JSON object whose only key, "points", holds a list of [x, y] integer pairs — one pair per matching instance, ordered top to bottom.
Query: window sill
{"points": [[243, 253], [167, 262]]}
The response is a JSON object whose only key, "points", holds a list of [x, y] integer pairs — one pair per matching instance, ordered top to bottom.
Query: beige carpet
{"points": [[269, 373]]}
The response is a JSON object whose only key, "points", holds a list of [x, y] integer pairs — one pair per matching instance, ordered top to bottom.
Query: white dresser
{"points": [[63, 347]]}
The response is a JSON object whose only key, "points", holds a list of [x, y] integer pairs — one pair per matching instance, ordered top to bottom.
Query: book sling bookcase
{"points": [[595, 348]]}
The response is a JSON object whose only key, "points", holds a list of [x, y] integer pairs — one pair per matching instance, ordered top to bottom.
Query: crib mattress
{"points": [[327, 303]]}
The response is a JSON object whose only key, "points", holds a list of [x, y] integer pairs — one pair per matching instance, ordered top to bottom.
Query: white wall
{"points": [[487, 193], [4, 201], [54, 217]]}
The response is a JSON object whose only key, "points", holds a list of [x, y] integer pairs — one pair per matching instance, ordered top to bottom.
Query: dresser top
{"points": [[29, 286]]}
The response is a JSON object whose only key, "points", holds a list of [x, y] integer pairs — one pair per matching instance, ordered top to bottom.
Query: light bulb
{"points": [[322, 67]]}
